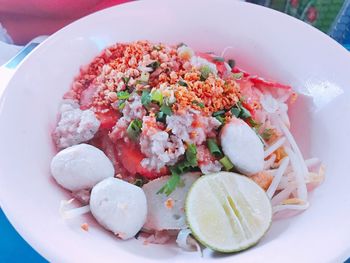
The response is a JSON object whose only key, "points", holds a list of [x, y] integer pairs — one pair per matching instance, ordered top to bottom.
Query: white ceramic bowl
{"points": [[265, 42]]}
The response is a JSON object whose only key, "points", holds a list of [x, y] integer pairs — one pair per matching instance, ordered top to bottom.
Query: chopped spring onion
{"points": [[156, 47], [218, 59], [231, 63], [154, 65], [205, 70], [238, 75], [126, 80], [182, 83], [123, 95], [157, 97], [145, 98], [121, 104], [200, 104], [166, 110], [239, 111], [235, 112], [218, 113], [244, 113], [161, 117], [220, 119], [255, 125], [134, 129], [266, 134], [214, 148], [191, 155], [225, 161], [180, 168], [139, 182], [171, 184]]}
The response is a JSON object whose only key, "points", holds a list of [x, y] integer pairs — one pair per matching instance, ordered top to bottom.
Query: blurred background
{"points": [[330, 16]]}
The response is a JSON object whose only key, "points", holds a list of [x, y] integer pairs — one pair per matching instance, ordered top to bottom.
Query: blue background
{"points": [[13, 248]]}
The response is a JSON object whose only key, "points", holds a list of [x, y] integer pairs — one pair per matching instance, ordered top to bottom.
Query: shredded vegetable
{"points": [[274, 146], [277, 177], [300, 178], [283, 195], [279, 208], [67, 213], [187, 242]]}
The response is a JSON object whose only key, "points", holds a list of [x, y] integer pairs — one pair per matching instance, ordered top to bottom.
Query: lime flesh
{"points": [[227, 212]]}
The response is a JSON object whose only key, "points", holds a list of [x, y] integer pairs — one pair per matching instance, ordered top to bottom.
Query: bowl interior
{"points": [[262, 41]]}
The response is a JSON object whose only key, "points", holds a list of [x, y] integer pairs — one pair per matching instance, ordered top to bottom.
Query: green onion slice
{"points": [[205, 70], [123, 95], [157, 97], [145, 98], [166, 110], [134, 129], [214, 148], [225, 161], [180, 168]]}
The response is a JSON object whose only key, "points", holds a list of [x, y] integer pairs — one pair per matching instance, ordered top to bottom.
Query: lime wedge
{"points": [[227, 212]]}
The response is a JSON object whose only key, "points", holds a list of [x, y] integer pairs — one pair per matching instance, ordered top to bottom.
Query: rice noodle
{"points": [[274, 146], [299, 175], [277, 177], [279, 208], [67, 213], [185, 241]]}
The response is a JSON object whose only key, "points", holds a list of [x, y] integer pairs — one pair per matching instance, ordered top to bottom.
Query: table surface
{"points": [[13, 248]]}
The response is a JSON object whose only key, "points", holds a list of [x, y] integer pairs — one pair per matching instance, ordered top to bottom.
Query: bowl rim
{"points": [[43, 249]]}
